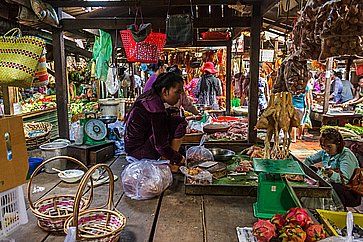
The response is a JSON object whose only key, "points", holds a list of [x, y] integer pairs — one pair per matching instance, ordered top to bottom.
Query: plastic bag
{"points": [[292, 75], [113, 82], [198, 154], [201, 177], [144, 179]]}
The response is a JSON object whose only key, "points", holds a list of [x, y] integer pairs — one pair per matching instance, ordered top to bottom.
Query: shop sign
{"points": [[267, 55]]}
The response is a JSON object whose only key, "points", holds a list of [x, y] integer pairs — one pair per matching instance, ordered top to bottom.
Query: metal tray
{"points": [[323, 191]]}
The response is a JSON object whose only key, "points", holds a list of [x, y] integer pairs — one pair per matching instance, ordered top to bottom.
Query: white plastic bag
{"points": [[113, 82], [144, 179]]}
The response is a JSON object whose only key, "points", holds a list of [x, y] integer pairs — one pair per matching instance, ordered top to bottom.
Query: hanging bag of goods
{"points": [[179, 28], [342, 29], [139, 48], [19, 56], [41, 77]]}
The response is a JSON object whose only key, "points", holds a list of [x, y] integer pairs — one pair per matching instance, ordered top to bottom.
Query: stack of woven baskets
{"points": [[36, 134]]}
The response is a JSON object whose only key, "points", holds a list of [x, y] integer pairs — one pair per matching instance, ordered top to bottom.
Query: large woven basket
{"points": [[36, 134], [53, 211], [103, 224]]}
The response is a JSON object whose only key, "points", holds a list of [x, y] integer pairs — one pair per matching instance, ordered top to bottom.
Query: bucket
{"points": [[109, 107], [50, 150], [34, 162]]}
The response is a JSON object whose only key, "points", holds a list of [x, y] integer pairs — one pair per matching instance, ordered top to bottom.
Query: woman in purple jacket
{"points": [[151, 130]]}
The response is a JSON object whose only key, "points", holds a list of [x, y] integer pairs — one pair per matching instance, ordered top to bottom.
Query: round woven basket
{"points": [[37, 133], [53, 211], [102, 224]]}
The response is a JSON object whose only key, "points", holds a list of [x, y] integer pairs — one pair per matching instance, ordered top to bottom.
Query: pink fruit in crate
{"points": [[298, 216], [278, 220], [264, 230], [315, 232], [292, 233]]}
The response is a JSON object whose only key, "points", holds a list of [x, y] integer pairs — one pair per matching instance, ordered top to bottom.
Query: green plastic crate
{"points": [[277, 166], [274, 196]]}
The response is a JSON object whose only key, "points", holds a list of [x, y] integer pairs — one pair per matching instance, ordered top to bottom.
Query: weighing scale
{"points": [[95, 130], [274, 195]]}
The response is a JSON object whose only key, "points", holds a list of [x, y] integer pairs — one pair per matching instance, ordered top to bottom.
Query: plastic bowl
{"points": [[71, 176]]}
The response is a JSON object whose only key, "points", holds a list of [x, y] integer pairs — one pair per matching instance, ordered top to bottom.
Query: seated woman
{"points": [[151, 131], [339, 163]]}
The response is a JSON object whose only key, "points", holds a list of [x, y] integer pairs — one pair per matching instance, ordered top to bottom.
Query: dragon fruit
{"points": [[298, 216], [278, 220], [264, 230], [315, 232], [292, 233]]}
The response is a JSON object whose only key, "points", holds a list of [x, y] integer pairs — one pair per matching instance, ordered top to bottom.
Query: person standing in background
{"points": [[157, 68], [209, 86], [338, 87], [347, 91], [263, 92]]}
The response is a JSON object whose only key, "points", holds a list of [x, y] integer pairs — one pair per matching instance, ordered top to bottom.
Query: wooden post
{"points": [[256, 24], [347, 68], [228, 77], [61, 83], [327, 85], [6, 98]]}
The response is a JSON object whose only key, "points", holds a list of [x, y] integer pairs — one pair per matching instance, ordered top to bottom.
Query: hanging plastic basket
{"points": [[146, 51], [359, 70]]}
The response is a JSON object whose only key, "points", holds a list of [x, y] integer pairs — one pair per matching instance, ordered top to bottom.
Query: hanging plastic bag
{"points": [[102, 50], [113, 82], [198, 154], [145, 179]]}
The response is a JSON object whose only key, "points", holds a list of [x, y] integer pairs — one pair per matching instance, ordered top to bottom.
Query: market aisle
{"points": [[308, 146]]}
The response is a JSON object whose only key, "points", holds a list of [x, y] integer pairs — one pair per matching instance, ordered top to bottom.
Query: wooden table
{"points": [[331, 119], [173, 216]]}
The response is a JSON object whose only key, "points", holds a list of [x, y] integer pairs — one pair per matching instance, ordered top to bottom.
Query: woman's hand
{"points": [[329, 172]]}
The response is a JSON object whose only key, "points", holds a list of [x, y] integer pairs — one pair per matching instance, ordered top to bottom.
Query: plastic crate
{"points": [[12, 210], [338, 218]]}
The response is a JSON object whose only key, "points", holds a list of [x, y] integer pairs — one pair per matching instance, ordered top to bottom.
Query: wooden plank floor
{"points": [[172, 217]]}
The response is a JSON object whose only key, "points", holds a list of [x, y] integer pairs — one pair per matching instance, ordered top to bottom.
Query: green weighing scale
{"points": [[95, 130], [274, 195]]}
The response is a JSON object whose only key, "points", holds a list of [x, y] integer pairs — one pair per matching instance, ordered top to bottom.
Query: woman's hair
{"points": [[167, 80], [332, 136]]}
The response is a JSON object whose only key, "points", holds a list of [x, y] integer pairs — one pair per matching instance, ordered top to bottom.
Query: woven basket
{"points": [[36, 134], [53, 211], [102, 224]]}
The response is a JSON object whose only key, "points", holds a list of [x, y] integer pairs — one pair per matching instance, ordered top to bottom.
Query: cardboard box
{"points": [[13, 153]]}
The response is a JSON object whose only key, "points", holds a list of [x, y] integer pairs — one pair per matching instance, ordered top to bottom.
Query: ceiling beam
{"points": [[147, 3], [266, 5], [157, 23], [274, 23]]}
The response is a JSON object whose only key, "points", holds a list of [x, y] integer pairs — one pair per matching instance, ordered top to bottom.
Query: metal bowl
{"points": [[108, 119], [222, 154]]}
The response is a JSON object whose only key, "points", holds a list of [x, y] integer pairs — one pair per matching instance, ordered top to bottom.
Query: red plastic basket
{"points": [[146, 51], [359, 70]]}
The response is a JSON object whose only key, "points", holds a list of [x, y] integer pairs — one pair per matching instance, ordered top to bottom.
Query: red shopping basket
{"points": [[146, 51], [359, 70]]}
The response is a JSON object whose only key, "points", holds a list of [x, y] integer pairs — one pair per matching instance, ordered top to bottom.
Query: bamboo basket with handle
{"points": [[52, 211], [103, 224]]}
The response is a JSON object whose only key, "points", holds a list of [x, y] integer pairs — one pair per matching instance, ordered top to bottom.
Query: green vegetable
{"points": [[356, 129]]}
